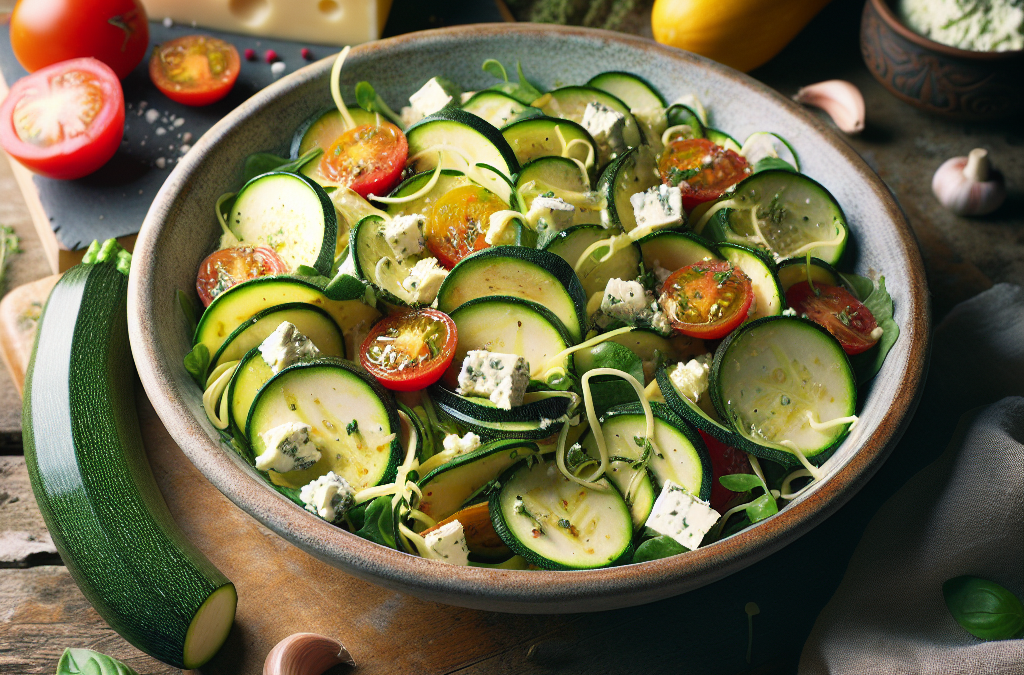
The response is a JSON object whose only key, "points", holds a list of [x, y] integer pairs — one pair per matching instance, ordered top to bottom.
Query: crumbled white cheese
{"points": [[465, 96], [430, 98], [605, 125], [657, 208], [550, 215], [404, 235], [660, 273], [424, 280], [625, 301], [789, 311], [660, 322], [876, 333], [286, 346], [502, 378], [691, 378], [460, 445], [287, 448], [329, 496], [681, 516], [448, 544]]}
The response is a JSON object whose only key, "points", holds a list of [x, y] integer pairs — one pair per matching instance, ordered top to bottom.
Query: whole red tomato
{"points": [[44, 32]]}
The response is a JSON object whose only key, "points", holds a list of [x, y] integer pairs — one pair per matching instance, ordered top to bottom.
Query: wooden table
{"points": [[42, 611]]}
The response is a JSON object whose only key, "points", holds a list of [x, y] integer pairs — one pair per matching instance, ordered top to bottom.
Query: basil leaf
{"points": [[260, 163], [861, 287], [878, 301], [188, 309], [197, 362], [741, 482], [761, 508], [378, 522], [658, 548], [984, 608], [88, 662]]}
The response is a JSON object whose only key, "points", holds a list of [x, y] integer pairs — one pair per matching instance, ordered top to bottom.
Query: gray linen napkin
{"points": [[963, 514]]}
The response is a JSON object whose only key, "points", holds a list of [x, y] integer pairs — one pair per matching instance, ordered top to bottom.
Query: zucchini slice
{"points": [[633, 90], [568, 103], [498, 109], [678, 114], [550, 137], [722, 139], [634, 171], [424, 205], [784, 212], [289, 213], [671, 250], [617, 258], [374, 260], [795, 270], [518, 272], [768, 296], [310, 320], [508, 325], [652, 349], [251, 373], [783, 381], [330, 395], [537, 406], [533, 430], [680, 455], [623, 476], [93, 482], [447, 488], [557, 524]]}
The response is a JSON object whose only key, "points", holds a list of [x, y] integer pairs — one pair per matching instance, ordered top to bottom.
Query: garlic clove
{"points": [[840, 99], [969, 186], [306, 654]]}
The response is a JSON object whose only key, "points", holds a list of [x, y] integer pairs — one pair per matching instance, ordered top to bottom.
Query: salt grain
{"points": [[168, 22], [277, 68], [152, 115], [180, 121], [160, 131], [186, 137], [185, 148], [160, 162]]}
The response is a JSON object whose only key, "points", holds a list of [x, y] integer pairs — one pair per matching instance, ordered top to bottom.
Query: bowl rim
{"points": [[883, 8], [512, 590]]}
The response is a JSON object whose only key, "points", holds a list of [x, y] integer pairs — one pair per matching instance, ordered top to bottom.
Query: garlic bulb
{"points": [[840, 99], [969, 186], [305, 654]]}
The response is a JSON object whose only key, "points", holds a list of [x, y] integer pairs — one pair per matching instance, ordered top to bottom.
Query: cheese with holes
{"points": [[329, 22]]}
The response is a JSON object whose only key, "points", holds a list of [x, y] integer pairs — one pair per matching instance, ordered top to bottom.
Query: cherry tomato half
{"points": [[44, 32], [194, 69], [64, 121], [369, 159], [701, 169], [459, 221], [223, 269], [707, 299], [837, 311], [410, 350], [725, 461]]}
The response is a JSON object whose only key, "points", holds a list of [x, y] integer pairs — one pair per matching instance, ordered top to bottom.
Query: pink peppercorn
{"points": [[250, 54], [306, 54], [270, 56]]}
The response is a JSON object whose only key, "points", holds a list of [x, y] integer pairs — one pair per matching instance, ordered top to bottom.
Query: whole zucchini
{"points": [[93, 483]]}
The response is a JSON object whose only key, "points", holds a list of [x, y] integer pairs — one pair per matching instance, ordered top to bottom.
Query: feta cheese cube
{"points": [[432, 96], [605, 126], [657, 208], [549, 216], [404, 235], [424, 280], [625, 301], [789, 311], [660, 323], [285, 346], [502, 378], [691, 378], [460, 445], [288, 448], [329, 496], [681, 516], [448, 544]]}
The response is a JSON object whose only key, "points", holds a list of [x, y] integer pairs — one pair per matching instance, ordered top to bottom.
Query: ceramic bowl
{"points": [[955, 83], [180, 230]]}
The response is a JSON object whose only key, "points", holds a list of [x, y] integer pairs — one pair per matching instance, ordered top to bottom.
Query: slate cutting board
{"points": [[113, 201]]}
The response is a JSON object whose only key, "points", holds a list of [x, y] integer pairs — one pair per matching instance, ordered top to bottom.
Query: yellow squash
{"points": [[740, 33]]}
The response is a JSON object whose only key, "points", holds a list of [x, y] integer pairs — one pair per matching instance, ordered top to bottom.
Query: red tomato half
{"points": [[44, 32], [194, 69], [64, 121], [369, 159], [701, 169], [458, 223], [223, 269], [707, 299], [837, 311], [411, 350], [725, 461]]}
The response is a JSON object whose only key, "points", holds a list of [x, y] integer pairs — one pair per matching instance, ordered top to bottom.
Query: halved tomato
{"points": [[194, 69], [64, 121], [369, 159], [701, 169], [458, 223], [223, 269], [707, 299], [837, 311], [410, 350], [725, 460]]}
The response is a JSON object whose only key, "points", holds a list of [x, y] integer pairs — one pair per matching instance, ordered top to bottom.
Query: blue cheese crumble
{"points": [[605, 125], [657, 208], [549, 216], [404, 235], [424, 280], [287, 346], [502, 378], [691, 378], [460, 445], [287, 448], [329, 496], [681, 516], [448, 544]]}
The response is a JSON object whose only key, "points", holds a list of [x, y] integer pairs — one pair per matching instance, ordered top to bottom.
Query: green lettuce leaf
{"points": [[264, 162], [879, 302], [658, 548]]}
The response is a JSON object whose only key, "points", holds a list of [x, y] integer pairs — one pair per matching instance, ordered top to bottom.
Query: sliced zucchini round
{"points": [[633, 90], [569, 103], [498, 109], [682, 115], [544, 136], [722, 139], [763, 146], [634, 171], [554, 173], [424, 204], [784, 212], [290, 214], [671, 250], [617, 258], [374, 260], [795, 270], [518, 272], [768, 296], [310, 320], [508, 325], [653, 350], [251, 373], [786, 385], [332, 396], [537, 406], [523, 430], [680, 454], [449, 487], [641, 502], [557, 524]]}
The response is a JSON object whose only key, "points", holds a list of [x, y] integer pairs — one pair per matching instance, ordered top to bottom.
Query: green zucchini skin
{"points": [[91, 477]]}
